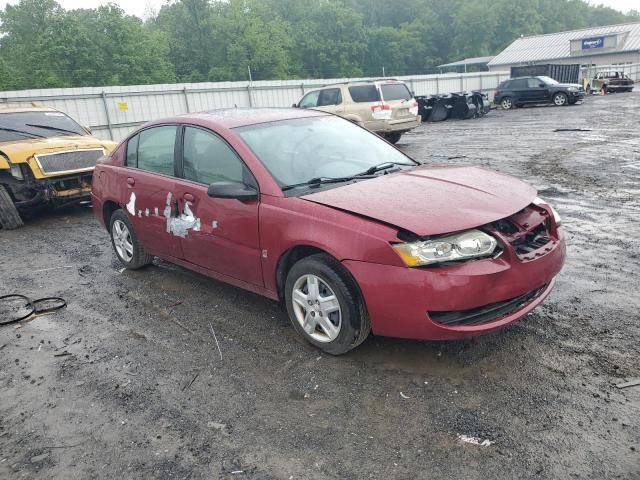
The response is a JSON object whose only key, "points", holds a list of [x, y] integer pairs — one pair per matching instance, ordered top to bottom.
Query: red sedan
{"points": [[350, 233]]}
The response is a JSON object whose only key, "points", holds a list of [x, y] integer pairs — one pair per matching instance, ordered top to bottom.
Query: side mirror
{"points": [[542, 85], [295, 105], [236, 190]]}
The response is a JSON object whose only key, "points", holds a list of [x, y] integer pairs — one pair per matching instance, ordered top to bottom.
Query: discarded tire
{"points": [[437, 108]]}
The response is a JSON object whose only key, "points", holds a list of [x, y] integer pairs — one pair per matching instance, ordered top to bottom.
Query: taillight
{"points": [[380, 107]]}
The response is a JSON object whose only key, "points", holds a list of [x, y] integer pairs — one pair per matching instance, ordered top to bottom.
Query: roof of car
{"points": [[25, 109], [239, 117]]}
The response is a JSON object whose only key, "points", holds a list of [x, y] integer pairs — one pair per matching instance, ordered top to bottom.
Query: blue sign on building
{"points": [[589, 43]]}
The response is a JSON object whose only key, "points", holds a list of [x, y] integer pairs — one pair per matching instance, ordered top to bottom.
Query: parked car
{"points": [[612, 82], [518, 92], [386, 107], [46, 158], [349, 232]]}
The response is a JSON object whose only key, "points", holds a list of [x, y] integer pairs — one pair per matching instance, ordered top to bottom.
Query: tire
{"points": [[560, 99], [507, 103], [394, 137], [9, 215], [125, 243], [334, 325]]}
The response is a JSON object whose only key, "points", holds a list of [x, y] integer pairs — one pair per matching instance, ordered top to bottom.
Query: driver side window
{"points": [[208, 159]]}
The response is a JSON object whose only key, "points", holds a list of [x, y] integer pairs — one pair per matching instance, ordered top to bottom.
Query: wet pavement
{"points": [[128, 381]]}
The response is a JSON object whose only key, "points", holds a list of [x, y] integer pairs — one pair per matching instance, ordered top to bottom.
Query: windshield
{"points": [[548, 80], [16, 126], [298, 150]]}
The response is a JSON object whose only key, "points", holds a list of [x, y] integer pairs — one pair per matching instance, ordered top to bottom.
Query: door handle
{"points": [[131, 181], [188, 197]]}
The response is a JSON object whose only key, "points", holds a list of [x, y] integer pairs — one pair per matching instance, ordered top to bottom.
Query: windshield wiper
{"points": [[49, 127], [22, 132], [382, 166], [317, 181]]}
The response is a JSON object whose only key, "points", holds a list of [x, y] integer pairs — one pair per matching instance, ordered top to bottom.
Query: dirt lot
{"points": [[145, 393]]}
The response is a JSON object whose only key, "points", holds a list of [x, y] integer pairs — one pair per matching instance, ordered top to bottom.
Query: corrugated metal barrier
{"points": [[112, 112]]}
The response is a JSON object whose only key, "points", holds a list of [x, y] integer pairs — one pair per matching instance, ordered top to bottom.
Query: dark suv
{"points": [[530, 90]]}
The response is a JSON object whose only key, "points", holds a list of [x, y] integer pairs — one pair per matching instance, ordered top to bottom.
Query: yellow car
{"points": [[46, 158]]}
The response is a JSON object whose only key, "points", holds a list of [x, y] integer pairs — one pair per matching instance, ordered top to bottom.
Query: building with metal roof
{"points": [[610, 45], [481, 62]]}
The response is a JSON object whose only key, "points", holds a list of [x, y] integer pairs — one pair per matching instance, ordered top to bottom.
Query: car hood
{"points": [[567, 85], [20, 152], [432, 200]]}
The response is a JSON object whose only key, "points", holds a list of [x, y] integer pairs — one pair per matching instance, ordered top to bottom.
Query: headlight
{"points": [[572, 89], [16, 172], [556, 215], [461, 246]]}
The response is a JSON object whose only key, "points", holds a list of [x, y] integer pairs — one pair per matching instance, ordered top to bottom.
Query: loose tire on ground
{"points": [[9, 215], [128, 249], [353, 326]]}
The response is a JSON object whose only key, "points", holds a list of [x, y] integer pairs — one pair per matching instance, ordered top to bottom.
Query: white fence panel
{"points": [[113, 112]]}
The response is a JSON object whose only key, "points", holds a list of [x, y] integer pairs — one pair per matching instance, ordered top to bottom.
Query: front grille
{"points": [[69, 161], [527, 231], [532, 241], [486, 313]]}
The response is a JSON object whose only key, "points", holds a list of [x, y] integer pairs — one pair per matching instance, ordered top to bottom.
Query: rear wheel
{"points": [[560, 99], [507, 103], [394, 137], [9, 215], [125, 243], [325, 306]]}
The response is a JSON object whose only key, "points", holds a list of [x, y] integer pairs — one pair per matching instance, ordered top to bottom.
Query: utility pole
{"points": [[383, 72], [250, 78]]}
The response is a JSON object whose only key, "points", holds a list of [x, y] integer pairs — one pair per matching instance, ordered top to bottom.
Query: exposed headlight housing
{"points": [[16, 172], [556, 215], [460, 246]]}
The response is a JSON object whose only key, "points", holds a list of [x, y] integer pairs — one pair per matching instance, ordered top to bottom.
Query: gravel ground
{"points": [[145, 393]]}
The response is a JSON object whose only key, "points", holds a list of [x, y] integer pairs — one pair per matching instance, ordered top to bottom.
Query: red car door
{"points": [[152, 189], [226, 239]]}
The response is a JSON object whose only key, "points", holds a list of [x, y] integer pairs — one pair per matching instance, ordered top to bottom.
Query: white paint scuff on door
{"points": [[131, 206], [180, 225]]}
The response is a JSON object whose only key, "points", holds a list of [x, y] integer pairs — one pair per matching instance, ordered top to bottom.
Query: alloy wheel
{"points": [[560, 100], [506, 103], [122, 240], [316, 308]]}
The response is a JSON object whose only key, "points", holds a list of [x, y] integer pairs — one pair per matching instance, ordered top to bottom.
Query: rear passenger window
{"points": [[520, 83], [533, 83], [364, 93], [330, 96], [156, 148], [132, 152], [208, 159]]}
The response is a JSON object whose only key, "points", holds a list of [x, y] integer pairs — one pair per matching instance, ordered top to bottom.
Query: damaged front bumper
{"points": [[30, 193]]}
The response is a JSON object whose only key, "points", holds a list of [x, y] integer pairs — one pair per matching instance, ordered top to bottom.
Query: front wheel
{"points": [[560, 99], [507, 103], [9, 215], [125, 243], [325, 306]]}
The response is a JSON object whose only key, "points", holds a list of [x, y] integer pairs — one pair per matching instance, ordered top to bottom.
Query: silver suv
{"points": [[386, 107]]}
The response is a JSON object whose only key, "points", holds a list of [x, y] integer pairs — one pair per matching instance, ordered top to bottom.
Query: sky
{"points": [[140, 7]]}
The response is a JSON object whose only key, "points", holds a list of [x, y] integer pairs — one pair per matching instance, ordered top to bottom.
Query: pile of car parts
{"points": [[437, 108]]}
